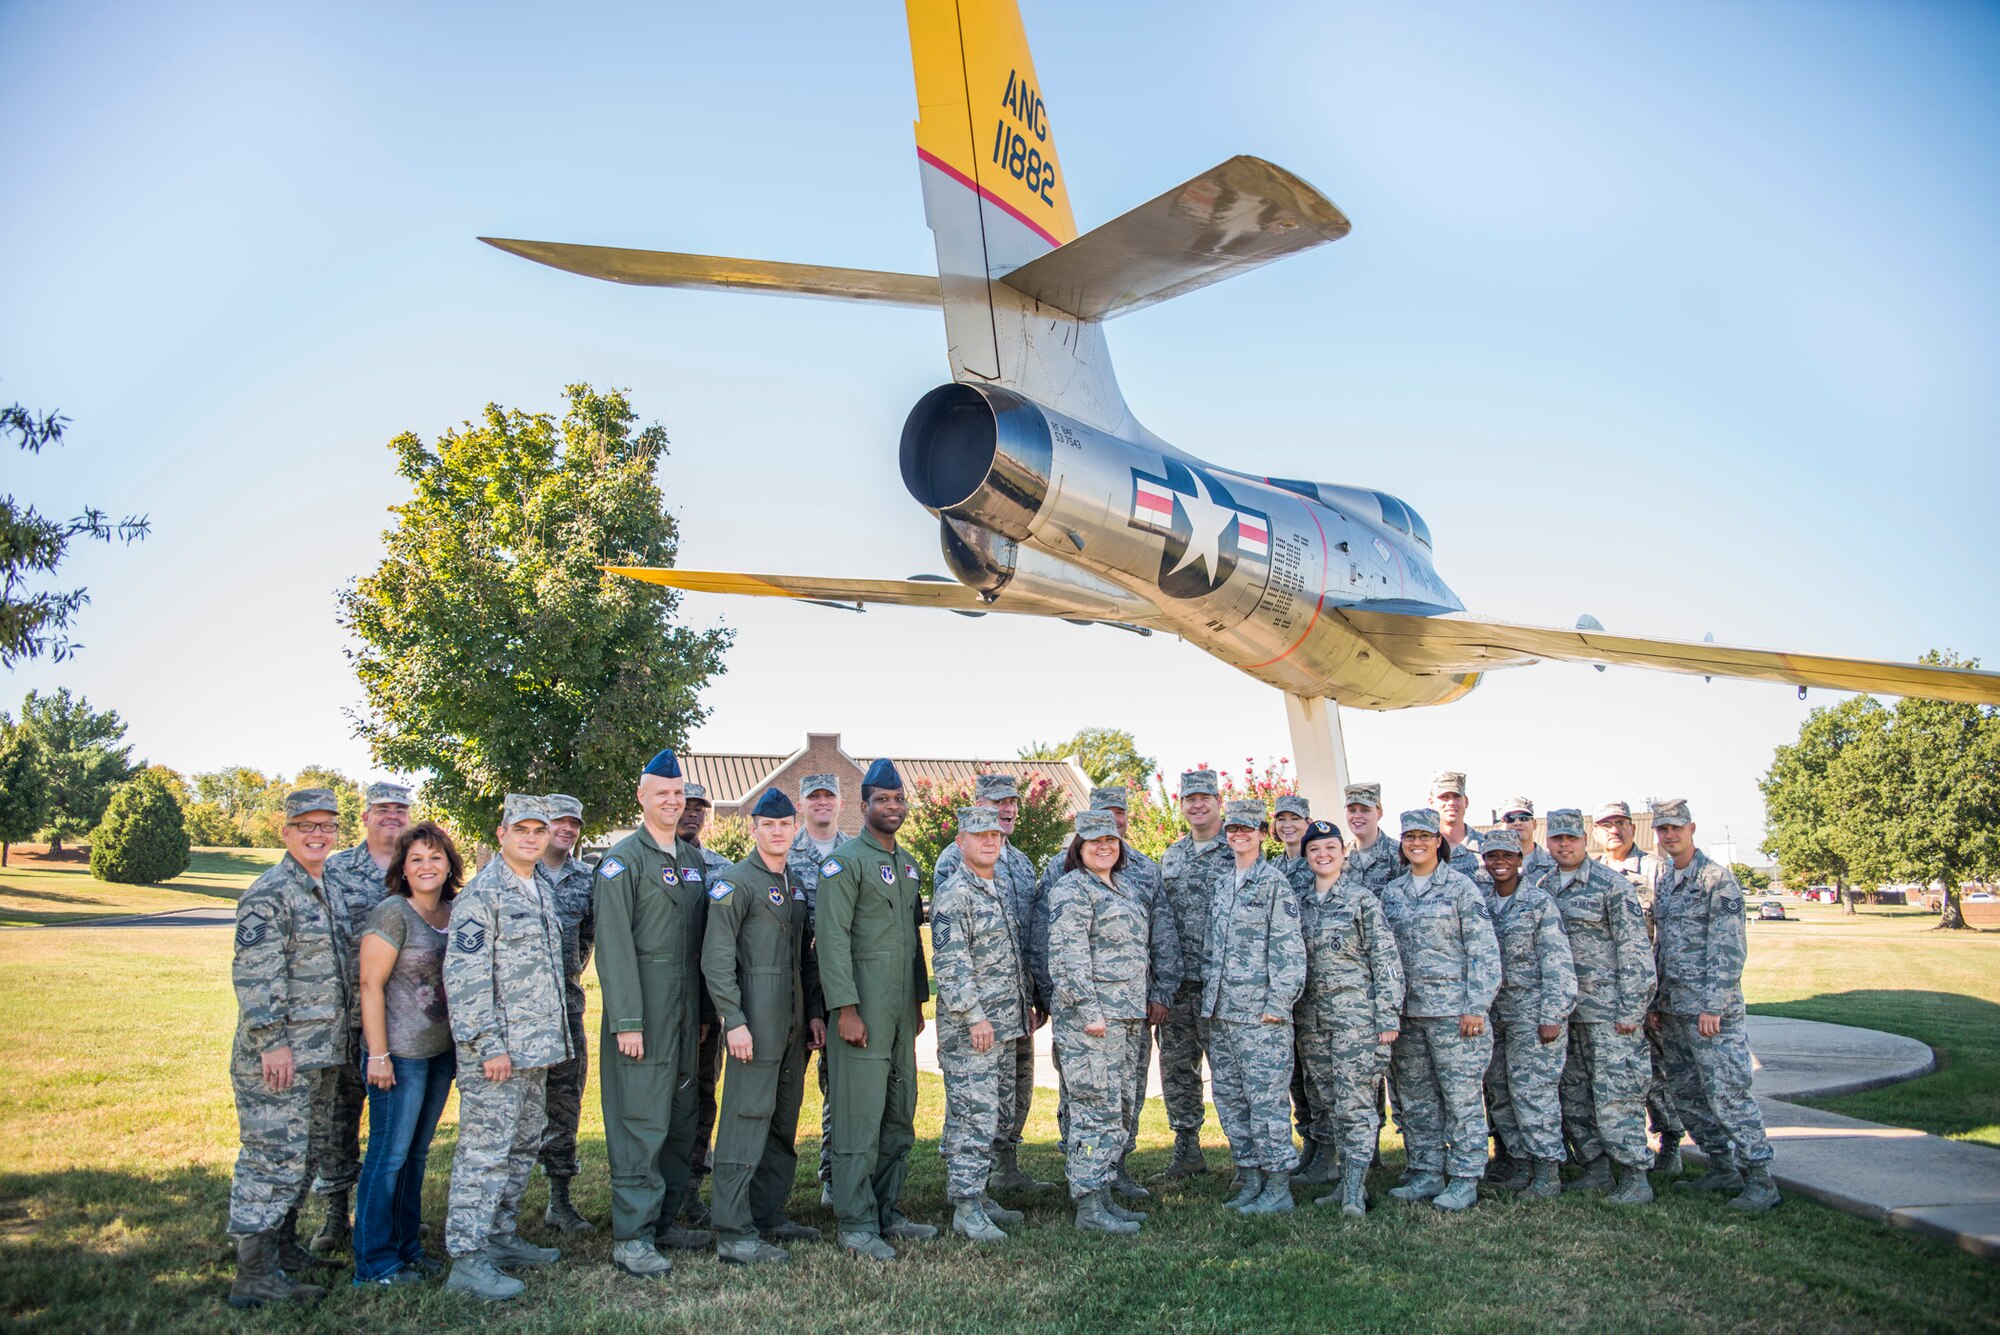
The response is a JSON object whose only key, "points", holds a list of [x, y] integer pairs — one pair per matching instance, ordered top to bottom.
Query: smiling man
{"points": [[1188, 870], [570, 882]]}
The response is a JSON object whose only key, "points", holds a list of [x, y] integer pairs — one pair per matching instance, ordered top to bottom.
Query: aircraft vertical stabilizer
{"points": [[996, 198]]}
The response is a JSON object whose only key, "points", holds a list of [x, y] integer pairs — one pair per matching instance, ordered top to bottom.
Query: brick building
{"points": [[735, 782]]}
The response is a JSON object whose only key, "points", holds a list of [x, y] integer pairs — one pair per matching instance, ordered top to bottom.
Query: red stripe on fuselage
{"points": [[987, 195]]}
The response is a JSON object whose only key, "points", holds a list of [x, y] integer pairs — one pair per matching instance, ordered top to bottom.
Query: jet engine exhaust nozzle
{"points": [[980, 454]]}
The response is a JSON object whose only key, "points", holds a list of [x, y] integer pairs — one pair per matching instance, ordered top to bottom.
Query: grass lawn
{"points": [[37, 891], [1887, 968], [117, 1135]]}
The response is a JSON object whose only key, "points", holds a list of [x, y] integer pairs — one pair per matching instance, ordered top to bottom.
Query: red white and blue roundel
{"points": [[1207, 531], [888, 875]]}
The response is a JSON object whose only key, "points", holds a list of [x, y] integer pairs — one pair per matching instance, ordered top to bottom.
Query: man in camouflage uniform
{"points": [[1291, 814], [1518, 816], [819, 835], [1461, 847], [1621, 853], [1372, 856], [1188, 870], [1015, 875], [568, 881], [354, 886], [652, 912], [757, 959], [1451, 960], [1253, 971], [503, 984], [1537, 994], [294, 1003], [1699, 1012], [983, 1013], [1349, 1014], [708, 1061], [1604, 1074]]}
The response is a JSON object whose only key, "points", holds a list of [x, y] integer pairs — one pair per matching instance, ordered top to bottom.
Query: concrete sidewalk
{"points": [[1945, 1188]]}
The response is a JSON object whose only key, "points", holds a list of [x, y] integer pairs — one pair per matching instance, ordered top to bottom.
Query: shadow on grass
{"points": [[229, 862], [1961, 1098]]}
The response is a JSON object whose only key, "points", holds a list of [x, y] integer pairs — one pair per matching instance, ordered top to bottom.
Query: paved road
{"points": [[221, 915]]}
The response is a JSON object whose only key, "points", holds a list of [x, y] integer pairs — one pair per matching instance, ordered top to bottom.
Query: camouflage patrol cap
{"points": [[1200, 781], [1448, 781], [819, 783], [995, 787], [394, 793], [697, 793], [1364, 794], [1111, 795], [304, 800], [1294, 803], [1515, 804], [524, 806], [564, 807], [1612, 811], [1673, 811], [1247, 812], [1420, 818], [978, 820], [1565, 820], [1092, 824], [1500, 841]]}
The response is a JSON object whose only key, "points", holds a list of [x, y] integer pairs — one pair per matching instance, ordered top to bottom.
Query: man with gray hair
{"points": [[1188, 869], [1015, 875], [568, 881], [354, 886], [503, 984], [293, 1003]]}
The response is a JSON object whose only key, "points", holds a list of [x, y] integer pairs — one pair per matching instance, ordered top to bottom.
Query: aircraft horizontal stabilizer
{"points": [[1230, 219], [662, 268], [811, 588], [1454, 643]]}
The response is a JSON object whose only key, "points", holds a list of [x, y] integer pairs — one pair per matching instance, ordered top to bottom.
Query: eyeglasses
{"points": [[1519, 817], [320, 827]]}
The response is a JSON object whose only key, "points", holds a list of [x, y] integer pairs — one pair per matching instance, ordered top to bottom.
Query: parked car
{"points": [[1981, 897], [1771, 910]]}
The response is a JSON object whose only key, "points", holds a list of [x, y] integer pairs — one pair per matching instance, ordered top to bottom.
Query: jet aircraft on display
{"points": [[1054, 501]]}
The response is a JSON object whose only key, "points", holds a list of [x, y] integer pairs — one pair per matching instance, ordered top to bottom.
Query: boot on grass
{"points": [[1188, 1160], [1008, 1175], [1596, 1176], [1721, 1176], [1250, 1181], [1545, 1182], [1420, 1187], [1632, 1188], [1759, 1192], [1462, 1193], [1275, 1197], [561, 1215], [1093, 1215], [968, 1220], [336, 1231], [293, 1257], [475, 1274], [260, 1279]]}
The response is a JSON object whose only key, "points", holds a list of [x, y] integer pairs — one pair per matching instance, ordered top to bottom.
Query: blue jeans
{"points": [[388, 1203]]}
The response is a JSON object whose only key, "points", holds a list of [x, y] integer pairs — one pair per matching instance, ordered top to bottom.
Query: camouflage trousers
{"points": [[1183, 1042], [1140, 1049], [1252, 1063], [1342, 1063], [707, 1074], [1437, 1076], [1097, 1078], [1711, 1083], [1019, 1094], [1604, 1094], [1523, 1099], [565, 1104], [978, 1105], [1660, 1111], [336, 1129], [499, 1136], [272, 1167]]}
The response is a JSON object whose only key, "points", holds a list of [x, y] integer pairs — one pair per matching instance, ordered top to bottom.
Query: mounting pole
{"points": [[1319, 752]]}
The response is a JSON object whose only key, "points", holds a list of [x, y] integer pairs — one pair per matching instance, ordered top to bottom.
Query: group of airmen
{"points": [[1476, 986]]}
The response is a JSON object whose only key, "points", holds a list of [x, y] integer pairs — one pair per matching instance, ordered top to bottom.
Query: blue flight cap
{"points": [[665, 765], [882, 774], [774, 805]]}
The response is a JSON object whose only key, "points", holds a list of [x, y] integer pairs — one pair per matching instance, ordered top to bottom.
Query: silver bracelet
{"points": [[378, 1056]]}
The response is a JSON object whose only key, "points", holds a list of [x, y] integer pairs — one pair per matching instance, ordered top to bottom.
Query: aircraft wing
{"points": [[663, 268], [1456, 642]]}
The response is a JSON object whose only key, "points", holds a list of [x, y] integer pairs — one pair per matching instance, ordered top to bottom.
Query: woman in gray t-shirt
{"points": [[409, 1059]]}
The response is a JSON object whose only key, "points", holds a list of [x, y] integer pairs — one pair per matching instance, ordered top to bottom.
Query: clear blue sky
{"points": [[1683, 316]]}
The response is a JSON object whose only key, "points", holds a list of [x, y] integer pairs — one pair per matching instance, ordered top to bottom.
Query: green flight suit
{"points": [[652, 909], [870, 957], [758, 960]]}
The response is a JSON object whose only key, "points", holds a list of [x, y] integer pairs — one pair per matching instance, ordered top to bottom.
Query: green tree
{"points": [[36, 621], [495, 652], [1107, 755], [82, 756], [174, 780], [24, 788], [344, 788], [1918, 798], [238, 807], [208, 826], [1039, 830], [1802, 830], [729, 837], [141, 840], [1749, 877]]}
